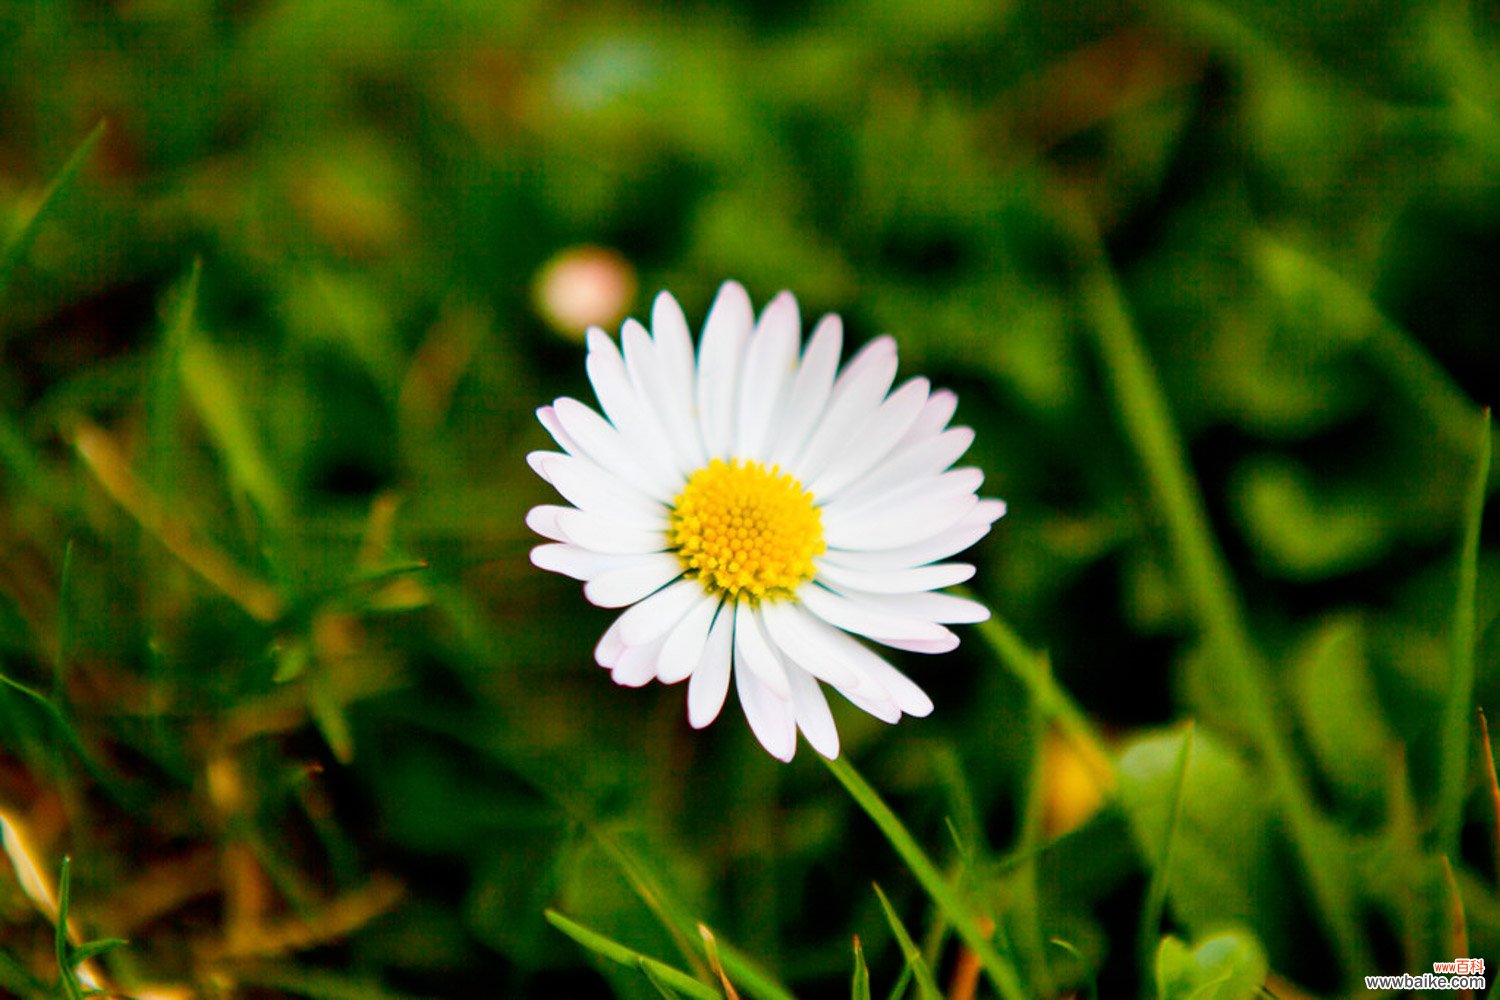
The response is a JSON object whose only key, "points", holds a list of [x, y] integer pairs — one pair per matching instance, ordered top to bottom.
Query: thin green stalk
{"points": [[1206, 584], [1052, 700], [1458, 710], [1156, 892], [1025, 908], [1000, 972], [898, 988]]}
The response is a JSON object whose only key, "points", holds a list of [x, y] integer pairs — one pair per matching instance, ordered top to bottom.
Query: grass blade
{"points": [[20, 242], [217, 397], [219, 400], [1206, 584], [329, 716], [1456, 739], [1492, 782], [1156, 892], [1457, 930], [711, 947], [1002, 974], [66, 976], [674, 979], [656, 983], [859, 986], [927, 987]]}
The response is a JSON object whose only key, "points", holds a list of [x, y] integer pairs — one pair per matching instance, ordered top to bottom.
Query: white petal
{"points": [[724, 334], [674, 344], [769, 367], [810, 390], [661, 392], [856, 394], [548, 417], [934, 417], [634, 418], [595, 438], [873, 441], [919, 460], [538, 462], [588, 487], [932, 491], [989, 511], [543, 520], [974, 526], [883, 527], [604, 534], [580, 564], [898, 581], [634, 582], [946, 608], [852, 616], [652, 618], [794, 632], [947, 644], [683, 650], [607, 651], [756, 652], [636, 666], [875, 674], [710, 682], [908, 697], [882, 708], [811, 711], [770, 716]]}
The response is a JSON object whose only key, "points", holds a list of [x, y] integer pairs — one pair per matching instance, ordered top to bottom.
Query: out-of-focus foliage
{"points": [[281, 681]]}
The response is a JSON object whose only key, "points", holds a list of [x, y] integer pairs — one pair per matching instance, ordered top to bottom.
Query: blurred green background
{"points": [[285, 687]]}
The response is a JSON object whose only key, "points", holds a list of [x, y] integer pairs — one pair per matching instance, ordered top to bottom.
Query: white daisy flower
{"points": [[756, 510]]}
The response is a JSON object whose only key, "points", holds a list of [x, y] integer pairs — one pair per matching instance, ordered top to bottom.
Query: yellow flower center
{"points": [[744, 529]]}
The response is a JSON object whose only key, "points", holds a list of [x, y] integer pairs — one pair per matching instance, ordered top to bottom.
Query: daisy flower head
{"points": [[761, 515]]}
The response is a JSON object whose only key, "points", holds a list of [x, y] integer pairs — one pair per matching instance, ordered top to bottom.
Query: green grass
{"points": [[1213, 283]]}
